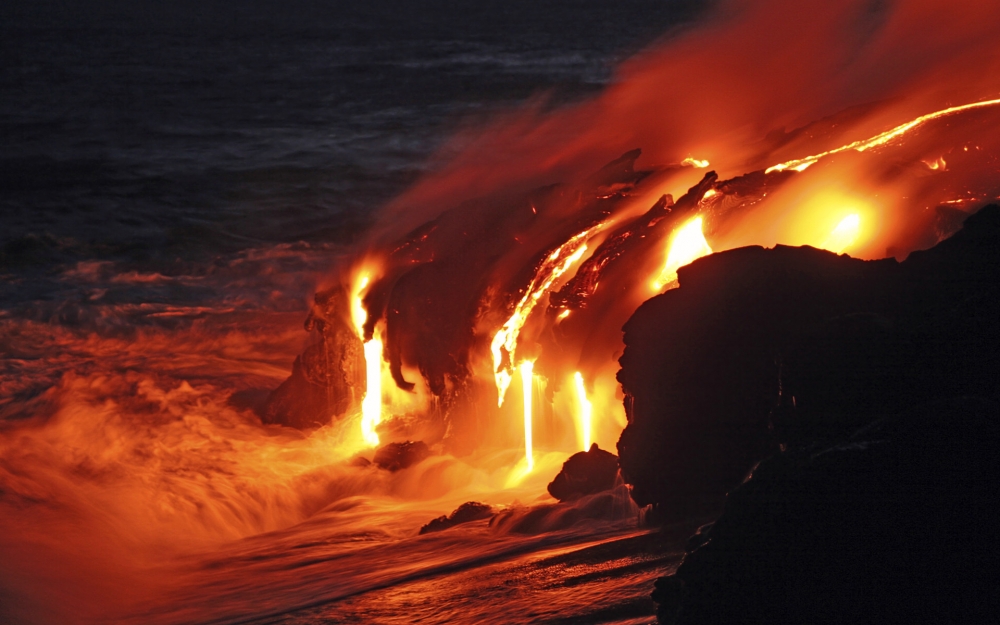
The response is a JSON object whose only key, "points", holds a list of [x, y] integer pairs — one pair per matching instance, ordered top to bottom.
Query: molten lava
{"points": [[881, 139], [696, 163], [844, 235], [687, 244], [504, 344], [371, 405], [585, 411]]}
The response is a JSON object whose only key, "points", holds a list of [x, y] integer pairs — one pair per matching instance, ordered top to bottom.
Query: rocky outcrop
{"points": [[760, 348], [329, 377], [879, 382], [398, 456], [585, 473], [466, 513]]}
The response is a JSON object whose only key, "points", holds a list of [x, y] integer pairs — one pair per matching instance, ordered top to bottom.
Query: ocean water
{"points": [[166, 139], [175, 183]]}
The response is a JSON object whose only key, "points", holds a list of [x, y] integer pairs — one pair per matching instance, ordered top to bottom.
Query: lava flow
{"points": [[884, 138], [687, 245], [504, 345], [371, 404]]}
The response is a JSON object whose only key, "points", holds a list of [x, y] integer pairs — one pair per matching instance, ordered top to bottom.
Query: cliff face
{"points": [[703, 363], [862, 396]]}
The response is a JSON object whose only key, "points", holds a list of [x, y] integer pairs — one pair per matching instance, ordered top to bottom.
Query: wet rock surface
{"points": [[868, 394], [398, 456], [585, 473], [465, 513]]}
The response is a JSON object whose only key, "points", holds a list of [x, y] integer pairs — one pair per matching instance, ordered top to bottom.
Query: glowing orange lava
{"points": [[880, 139], [694, 162], [938, 164], [844, 235], [687, 244], [555, 265], [371, 405]]}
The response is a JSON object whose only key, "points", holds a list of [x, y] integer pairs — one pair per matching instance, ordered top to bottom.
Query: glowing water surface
{"points": [[140, 488]]}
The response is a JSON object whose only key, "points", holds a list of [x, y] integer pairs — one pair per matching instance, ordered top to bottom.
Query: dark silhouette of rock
{"points": [[790, 346], [884, 380], [397, 456], [585, 473], [607, 505], [465, 513], [894, 525]]}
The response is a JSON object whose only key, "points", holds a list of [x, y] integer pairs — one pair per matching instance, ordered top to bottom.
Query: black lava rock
{"points": [[763, 348], [885, 382], [397, 456], [585, 473], [465, 513], [894, 525]]}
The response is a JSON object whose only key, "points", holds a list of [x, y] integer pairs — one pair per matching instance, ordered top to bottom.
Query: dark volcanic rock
{"points": [[797, 346], [701, 366], [329, 376], [883, 381], [397, 456], [585, 473], [465, 513], [894, 525]]}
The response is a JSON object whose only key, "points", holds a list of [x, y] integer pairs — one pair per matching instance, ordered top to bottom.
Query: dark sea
{"points": [[160, 137]]}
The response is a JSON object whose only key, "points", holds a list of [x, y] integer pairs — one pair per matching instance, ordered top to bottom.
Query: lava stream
{"points": [[802, 164], [687, 244], [555, 265], [371, 405]]}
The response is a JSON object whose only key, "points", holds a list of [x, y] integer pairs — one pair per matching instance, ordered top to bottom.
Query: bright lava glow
{"points": [[881, 139], [694, 162], [937, 164], [844, 235], [687, 244], [552, 268], [358, 313], [527, 379], [371, 404], [586, 410]]}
